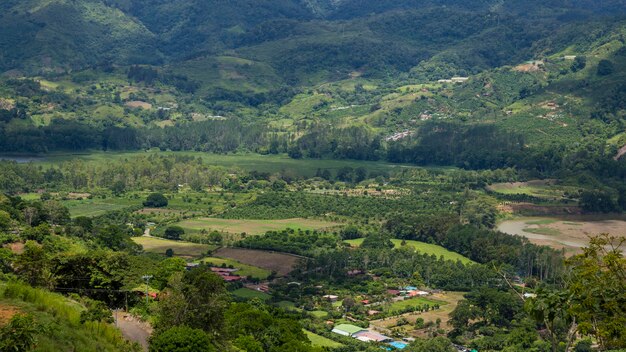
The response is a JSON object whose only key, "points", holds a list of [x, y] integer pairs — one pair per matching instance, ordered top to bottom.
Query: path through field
{"points": [[133, 330]]}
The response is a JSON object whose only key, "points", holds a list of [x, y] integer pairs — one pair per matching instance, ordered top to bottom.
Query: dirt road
{"points": [[134, 330]]}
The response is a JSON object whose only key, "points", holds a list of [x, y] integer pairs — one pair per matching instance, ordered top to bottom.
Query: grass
{"points": [[95, 207], [542, 222], [251, 227], [543, 231], [422, 247], [186, 249], [244, 269], [247, 293], [413, 302], [320, 314], [61, 319], [321, 341]]}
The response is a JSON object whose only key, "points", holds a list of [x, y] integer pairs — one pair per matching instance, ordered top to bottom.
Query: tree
{"points": [[579, 63], [605, 68], [155, 200], [5, 220], [174, 232], [117, 237], [169, 252], [33, 265], [598, 291], [196, 298], [96, 311], [19, 335], [181, 339], [437, 344]]}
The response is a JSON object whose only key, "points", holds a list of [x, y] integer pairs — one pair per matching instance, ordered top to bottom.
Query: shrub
{"points": [[155, 200], [181, 339]]}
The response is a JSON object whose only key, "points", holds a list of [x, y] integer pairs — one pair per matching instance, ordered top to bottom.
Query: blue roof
{"points": [[410, 288], [399, 345]]}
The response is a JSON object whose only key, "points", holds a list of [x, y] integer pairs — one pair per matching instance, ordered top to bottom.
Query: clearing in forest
{"points": [[251, 227], [180, 248], [423, 248], [281, 263], [244, 269]]}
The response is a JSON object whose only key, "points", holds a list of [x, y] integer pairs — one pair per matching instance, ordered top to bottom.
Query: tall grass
{"points": [[66, 311]]}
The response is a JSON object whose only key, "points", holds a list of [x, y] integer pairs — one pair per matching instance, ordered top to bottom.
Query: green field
{"points": [[261, 163], [95, 207], [251, 227], [422, 247], [186, 249], [244, 269], [247, 293], [412, 302], [320, 314], [321, 341]]}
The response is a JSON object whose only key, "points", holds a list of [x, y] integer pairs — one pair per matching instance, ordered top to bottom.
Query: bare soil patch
{"points": [[139, 104], [15, 247], [281, 263], [6, 313]]}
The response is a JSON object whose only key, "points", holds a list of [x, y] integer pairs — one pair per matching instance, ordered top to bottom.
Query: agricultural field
{"points": [[248, 162], [549, 190], [97, 206], [251, 227], [568, 233], [421, 247], [180, 248], [280, 263], [244, 269], [246, 293], [447, 301], [413, 302], [321, 341]]}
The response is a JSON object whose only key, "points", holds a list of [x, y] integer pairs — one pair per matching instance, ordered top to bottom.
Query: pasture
{"points": [[549, 190], [97, 206], [251, 227], [421, 247], [180, 248], [280, 263], [244, 269], [246, 293], [413, 302], [321, 341]]}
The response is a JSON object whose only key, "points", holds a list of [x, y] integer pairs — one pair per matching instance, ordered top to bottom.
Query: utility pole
{"points": [[147, 278]]}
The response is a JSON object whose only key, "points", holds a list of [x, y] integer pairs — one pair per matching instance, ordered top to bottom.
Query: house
{"points": [[569, 57], [459, 79], [190, 266], [219, 270], [355, 272], [232, 278], [410, 288], [393, 292], [418, 293], [331, 298], [365, 301], [373, 312], [347, 330], [371, 336]]}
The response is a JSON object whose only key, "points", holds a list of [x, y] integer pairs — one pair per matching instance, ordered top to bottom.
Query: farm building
{"points": [[459, 79], [393, 292], [417, 293], [331, 298], [347, 330], [371, 336]]}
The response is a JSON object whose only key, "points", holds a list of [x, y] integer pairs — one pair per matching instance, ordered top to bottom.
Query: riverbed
{"points": [[569, 233]]}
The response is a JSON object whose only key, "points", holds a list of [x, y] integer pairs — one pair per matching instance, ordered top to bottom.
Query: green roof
{"points": [[351, 329]]}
